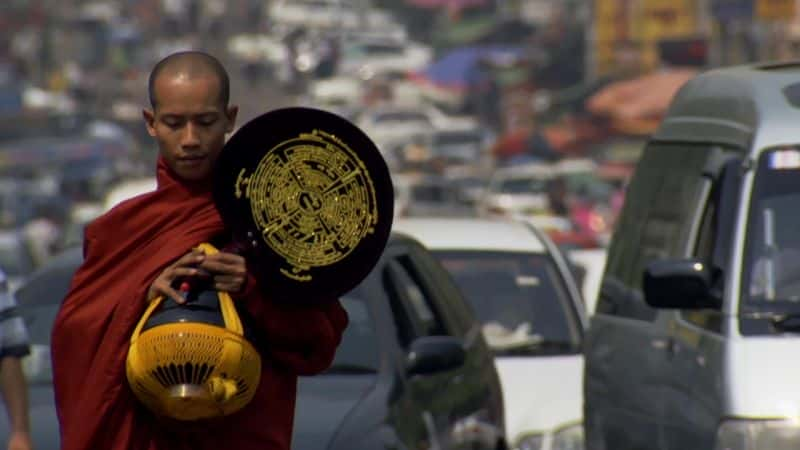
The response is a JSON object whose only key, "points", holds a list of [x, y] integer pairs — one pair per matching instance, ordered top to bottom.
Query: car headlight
{"points": [[758, 435], [568, 438], [530, 442]]}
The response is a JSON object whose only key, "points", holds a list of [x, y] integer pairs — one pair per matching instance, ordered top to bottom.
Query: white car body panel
{"points": [[541, 393]]}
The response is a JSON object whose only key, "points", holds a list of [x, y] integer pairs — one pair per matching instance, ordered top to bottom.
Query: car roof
{"points": [[758, 104], [527, 170], [471, 234]]}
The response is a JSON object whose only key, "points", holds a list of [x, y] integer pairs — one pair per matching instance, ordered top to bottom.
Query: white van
{"points": [[695, 340]]}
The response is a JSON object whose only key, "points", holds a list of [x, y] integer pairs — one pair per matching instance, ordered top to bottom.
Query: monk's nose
{"points": [[190, 137]]}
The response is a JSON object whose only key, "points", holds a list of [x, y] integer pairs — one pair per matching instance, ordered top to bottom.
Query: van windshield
{"points": [[771, 277]]}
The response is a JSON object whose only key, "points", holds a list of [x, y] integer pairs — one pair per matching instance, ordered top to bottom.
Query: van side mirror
{"points": [[679, 284], [432, 354]]}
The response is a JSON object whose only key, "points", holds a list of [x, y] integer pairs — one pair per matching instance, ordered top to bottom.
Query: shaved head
{"points": [[191, 65]]}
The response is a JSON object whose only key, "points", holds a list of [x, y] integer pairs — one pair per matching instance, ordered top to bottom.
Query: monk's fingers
{"points": [[192, 258], [228, 258], [224, 268], [183, 272], [229, 279], [229, 283], [163, 288], [173, 294]]}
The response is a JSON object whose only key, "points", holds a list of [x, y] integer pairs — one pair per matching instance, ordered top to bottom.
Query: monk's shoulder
{"points": [[116, 220]]}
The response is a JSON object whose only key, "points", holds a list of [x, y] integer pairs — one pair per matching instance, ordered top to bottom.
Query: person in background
{"points": [[14, 345]]}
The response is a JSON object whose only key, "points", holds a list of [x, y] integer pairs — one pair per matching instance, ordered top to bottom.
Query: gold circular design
{"points": [[313, 201]]}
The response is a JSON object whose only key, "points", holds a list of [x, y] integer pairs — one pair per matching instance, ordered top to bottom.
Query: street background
{"points": [[535, 109]]}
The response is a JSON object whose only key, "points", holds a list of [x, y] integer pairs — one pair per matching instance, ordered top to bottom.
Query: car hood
{"points": [[540, 394], [323, 402], [43, 419]]}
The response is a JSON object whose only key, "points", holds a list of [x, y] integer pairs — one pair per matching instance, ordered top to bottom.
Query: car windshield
{"points": [[401, 116], [460, 147], [523, 186], [588, 186], [431, 193], [771, 278], [520, 298], [358, 351]]}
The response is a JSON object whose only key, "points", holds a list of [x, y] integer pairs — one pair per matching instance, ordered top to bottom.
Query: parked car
{"points": [[314, 13], [368, 58], [388, 123], [517, 192], [423, 194], [532, 316], [694, 340], [412, 368]]}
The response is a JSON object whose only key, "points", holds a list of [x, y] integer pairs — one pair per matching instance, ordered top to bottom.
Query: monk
{"points": [[136, 252]]}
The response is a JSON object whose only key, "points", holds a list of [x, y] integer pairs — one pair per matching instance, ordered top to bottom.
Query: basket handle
{"points": [[155, 303], [229, 314]]}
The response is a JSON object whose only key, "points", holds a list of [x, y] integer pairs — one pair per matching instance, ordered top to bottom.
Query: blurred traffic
{"points": [[512, 130]]}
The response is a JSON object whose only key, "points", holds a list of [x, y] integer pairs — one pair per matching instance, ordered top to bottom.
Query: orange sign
{"points": [[776, 9]]}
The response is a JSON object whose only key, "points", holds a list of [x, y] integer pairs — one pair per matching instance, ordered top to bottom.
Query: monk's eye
{"points": [[172, 121], [207, 121]]}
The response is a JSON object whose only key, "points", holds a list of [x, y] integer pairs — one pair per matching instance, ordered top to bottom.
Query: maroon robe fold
{"points": [[124, 251]]}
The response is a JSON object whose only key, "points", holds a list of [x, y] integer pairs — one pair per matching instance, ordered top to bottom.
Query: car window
{"points": [[400, 116], [522, 186], [432, 193], [654, 222], [704, 246], [771, 271], [520, 298], [415, 314], [358, 350]]}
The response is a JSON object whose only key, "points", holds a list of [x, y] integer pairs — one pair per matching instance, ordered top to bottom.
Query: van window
{"points": [[654, 224], [771, 271]]}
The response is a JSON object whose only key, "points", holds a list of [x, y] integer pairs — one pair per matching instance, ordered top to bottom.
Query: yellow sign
{"points": [[776, 9], [642, 23]]}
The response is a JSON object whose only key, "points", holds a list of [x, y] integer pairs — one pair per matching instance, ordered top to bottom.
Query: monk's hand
{"points": [[186, 266], [228, 270]]}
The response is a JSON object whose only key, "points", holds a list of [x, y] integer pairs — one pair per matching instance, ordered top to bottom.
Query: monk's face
{"points": [[189, 123]]}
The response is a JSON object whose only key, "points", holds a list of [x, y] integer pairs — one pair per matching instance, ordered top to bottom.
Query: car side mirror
{"points": [[679, 284], [433, 354]]}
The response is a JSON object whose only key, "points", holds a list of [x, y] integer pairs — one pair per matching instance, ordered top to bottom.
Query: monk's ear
{"points": [[231, 112], [150, 121]]}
